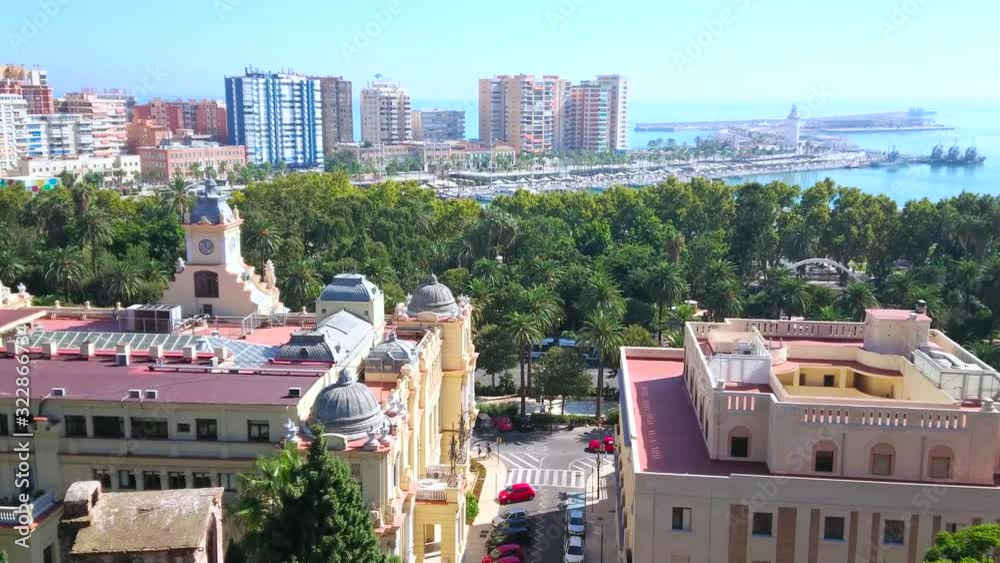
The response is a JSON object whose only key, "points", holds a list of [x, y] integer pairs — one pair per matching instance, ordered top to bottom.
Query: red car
{"points": [[503, 423], [607, 444], [518, 492], [507, 553]]}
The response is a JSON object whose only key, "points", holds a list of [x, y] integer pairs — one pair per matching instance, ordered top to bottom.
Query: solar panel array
{"points": [[245, 354]]}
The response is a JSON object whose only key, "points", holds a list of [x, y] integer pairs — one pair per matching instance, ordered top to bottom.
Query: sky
{"points": [[907, 52]]}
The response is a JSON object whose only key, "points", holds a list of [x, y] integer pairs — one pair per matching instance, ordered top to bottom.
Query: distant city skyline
{"points": [[906, 51]]}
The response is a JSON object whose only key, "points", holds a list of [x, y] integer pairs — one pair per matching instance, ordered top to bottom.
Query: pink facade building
{"points": [[203, 117], [172, 160]]}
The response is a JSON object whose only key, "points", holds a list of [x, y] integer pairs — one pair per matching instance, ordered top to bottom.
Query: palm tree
{"points": [[195, 170], [176, 196], [95, 229], [263, 240], [11, 267], [64, 269], [487, 270], [123, 282], [301, 283], [665, 285], [900, 288], [786, 293], [602, 294], [481, 295], [857, 297], [725, 299], [545, 308], [827, 313], [523, 331], [603, 332], [987, 352], [261, 493]]}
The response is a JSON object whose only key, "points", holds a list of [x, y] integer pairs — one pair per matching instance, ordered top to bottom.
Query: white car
{"points": [[510, 513], [575, 524], [573, 552]]}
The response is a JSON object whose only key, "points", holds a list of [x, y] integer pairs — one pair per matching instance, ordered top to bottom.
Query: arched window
{"points": [[206, 284], [739, 442], [825, 457], [883, 460], [940, 462]]}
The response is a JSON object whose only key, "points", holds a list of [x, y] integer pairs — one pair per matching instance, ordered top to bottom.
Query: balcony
{"points": [[963, 376], [440, 484], [10, 509]]}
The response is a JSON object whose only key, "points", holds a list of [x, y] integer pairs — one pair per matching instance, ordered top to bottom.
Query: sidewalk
{"points": [[496, 473], [601, 516]]}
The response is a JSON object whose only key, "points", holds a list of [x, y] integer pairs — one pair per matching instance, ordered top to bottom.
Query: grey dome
{"points": [[211, 206], [349, 287], [433, 297], [333, 340], [391, 355], [348, 408]]}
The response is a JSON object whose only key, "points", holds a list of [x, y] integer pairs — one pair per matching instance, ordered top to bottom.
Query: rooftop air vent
{"points": [[59, 392], [294, 392], [134, 394], [151, 394]]}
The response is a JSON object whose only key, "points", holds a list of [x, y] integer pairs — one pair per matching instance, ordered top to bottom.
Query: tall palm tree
{"points": [[176, 196], [94, 229], [263, 240], [11, 267], [64, 269], [489, 271], [123, 282], [300, 283], [665, 285], [900, 288], [602, 294], [787, 294], [481, 295], [856, 298], [725, 299], [545, 308], [522, 330], [603, 332], [261, 493]]}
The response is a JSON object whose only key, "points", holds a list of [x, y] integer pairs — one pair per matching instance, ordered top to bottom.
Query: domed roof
{"points": [[211, 206], [349, 287], [433, 297], [391, 355], [348, 408]]}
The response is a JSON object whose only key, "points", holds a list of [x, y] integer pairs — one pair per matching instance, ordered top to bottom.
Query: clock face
{"points": [[206, 246]]}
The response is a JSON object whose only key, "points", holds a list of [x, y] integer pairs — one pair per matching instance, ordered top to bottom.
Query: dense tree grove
{"points": [[540, 265], [974, 544]]}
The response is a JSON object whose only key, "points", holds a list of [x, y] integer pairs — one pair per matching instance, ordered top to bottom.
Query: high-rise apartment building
{"points": [[31, 84], [618, 93], [522, 110], [108, 111], [13, 113], [338, 113], [385, 113], [277, 116], [200, 117], [585, 118], [438, 125], [64, 135]]}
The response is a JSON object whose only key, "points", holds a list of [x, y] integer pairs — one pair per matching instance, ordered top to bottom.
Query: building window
{"points": [[206, 284], [829, 381], [4, 425], [76, 426], [109, 427], [149, 428], [183, 428], [208, 429], [258, 431], [739, 443], [824, 457], [883, 460], [940, 462], [104, 477], [126, 480], [176, 480], [201, 480], [151, 481], [227, 481], [681, 519], [763, 524], [951, 527], [833, 528], [894, 532], [48, 555]]}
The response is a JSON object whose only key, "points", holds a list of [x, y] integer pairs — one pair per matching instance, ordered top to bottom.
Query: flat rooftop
{"points": [[268, 336], [668, 436]]}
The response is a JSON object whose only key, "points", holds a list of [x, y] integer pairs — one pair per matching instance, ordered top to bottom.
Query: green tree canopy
{"points": [[562, 373], [975, 544]]}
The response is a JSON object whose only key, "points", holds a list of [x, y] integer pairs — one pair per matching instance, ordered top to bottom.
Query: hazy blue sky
{"points": [[906, 51]]}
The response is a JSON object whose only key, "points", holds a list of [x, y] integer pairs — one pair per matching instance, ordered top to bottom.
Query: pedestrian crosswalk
{"points": [[520, 460], [586, 465], [563, 478]]}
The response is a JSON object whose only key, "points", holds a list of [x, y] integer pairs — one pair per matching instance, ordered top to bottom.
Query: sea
{"points": [[975, 124]]}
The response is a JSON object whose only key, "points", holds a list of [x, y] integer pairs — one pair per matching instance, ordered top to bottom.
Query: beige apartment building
{"points": [[337, 111], [523, 111], [109, 112], [385, 113], [116, 169], [194, 404], [797, 441]]}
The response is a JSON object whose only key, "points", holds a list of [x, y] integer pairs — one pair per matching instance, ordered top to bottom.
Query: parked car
{"points": [[484, 422], [503, 423], [525, 424], [518, 492], [513, 513], [511, 524], [575, 524], [510, 531], [523, 538], [573, 551], [502, 552], [504, 559]]}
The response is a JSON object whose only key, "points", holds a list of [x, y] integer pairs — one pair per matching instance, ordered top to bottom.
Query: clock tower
{"points": [[214, 280]]}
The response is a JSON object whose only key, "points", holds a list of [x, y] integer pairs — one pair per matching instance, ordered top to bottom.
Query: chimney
{"points": [[921, 308], [12, 347], [50, 349], [87, 350], [156, 352], [190, 353], [220, 353], [123, 355], [989, 405], [81, 499]]}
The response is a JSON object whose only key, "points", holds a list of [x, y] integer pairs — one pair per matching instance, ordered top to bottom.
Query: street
{"points": [[554, 463]]}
